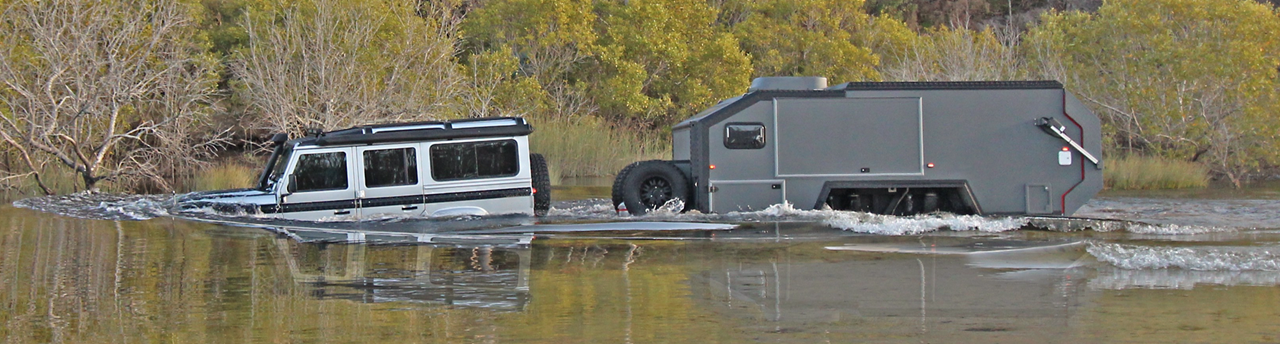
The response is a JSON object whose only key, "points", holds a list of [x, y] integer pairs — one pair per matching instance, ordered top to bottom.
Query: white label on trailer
{"points": [[1064, 158]]}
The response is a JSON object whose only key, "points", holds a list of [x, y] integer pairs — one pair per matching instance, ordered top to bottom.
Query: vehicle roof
{"points": [[728, 105], [420, 131]]}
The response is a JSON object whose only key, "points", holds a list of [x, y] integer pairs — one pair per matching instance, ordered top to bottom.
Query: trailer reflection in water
{"points": [[473, 275], [886, 287]]}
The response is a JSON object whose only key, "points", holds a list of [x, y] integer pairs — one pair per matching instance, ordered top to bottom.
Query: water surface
{"points": [[786, 276]]}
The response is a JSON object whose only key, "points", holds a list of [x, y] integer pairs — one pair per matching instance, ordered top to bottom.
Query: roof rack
{"points": [[948, 85], [422, 131]]}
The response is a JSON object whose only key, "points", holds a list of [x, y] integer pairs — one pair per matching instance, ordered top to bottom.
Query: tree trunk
{"points": [[90, 181]]}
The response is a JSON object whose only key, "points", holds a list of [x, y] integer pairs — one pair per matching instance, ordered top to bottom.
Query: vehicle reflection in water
{"points": [[494, 277], [889, 289]]}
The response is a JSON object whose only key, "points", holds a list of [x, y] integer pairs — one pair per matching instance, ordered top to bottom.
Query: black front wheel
{"points": [[650, 185]]}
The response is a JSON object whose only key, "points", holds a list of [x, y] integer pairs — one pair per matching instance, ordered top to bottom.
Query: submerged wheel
{"points": [[618, 182], [650, 184], [541, 185]]}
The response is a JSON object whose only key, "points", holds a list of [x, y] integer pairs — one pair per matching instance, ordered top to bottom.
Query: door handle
{"points": [[409, 207], [342, 212]]}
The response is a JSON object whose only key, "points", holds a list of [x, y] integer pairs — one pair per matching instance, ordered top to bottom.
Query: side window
{"points": [[744, 136], [474, 160], [390, 167], [321, 171]]}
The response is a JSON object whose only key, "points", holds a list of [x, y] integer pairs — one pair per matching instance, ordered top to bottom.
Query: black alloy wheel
{"points": [[648, 185], [655, 192]]}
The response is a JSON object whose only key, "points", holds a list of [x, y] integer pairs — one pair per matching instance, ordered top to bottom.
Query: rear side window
{"points": [[744, 136], [474, 160], [390, 167], [321, 171]]}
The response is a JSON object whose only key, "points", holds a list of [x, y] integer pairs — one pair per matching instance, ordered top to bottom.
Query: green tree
{"points": [[809, 37], [551, 38], [528, 57], [660, 61], [1186, 79]]}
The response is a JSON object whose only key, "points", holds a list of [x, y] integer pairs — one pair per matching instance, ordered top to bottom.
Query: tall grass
{"points": [[587, 147], [1145, 172], [225, 174], [59, 180]]}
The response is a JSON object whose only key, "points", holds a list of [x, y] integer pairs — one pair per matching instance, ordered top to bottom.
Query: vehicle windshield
{"points": [[275, 171]]}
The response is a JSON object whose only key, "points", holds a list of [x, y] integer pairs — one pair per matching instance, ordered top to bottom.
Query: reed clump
{"points": [[586, 147], [1137, 172], [225, 174], [22, 185]]}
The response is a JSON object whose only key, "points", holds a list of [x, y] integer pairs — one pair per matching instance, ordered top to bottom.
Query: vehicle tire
{"points": [[618, 179], [650, 184], [541, 185], [930, 202]]}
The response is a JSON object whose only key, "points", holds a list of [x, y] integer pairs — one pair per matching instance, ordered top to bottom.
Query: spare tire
{"points": [[651, 184], [541, 185]]}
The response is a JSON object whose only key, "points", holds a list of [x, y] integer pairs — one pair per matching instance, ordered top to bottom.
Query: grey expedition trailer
{"points": [[986, 148]]}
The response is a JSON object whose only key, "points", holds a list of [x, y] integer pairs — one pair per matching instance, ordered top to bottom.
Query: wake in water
{"points": [[101, 206], [142, 207], [908, 225], [1198, 258], [1116, 279]]}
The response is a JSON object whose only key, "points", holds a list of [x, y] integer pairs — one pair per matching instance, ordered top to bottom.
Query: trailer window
{"points": [[744, 136], [474, 160], [389, 167], [321, 171]]}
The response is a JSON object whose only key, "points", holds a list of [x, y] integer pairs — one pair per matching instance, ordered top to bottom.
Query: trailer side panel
{"points": [[849, 137]]}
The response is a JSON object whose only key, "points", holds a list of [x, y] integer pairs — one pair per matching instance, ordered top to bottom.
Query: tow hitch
{"points": [[1052, 127]]}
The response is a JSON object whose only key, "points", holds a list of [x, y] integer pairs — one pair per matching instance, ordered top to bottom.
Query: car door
{"points": [[478, 177], [390, 180], [321, 184]]}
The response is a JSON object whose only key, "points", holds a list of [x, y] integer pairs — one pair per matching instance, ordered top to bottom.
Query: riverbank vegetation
{"points": [[147, 95], [1146, 173]]}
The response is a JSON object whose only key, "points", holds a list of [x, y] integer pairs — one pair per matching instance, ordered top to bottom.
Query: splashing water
{"points": [[100, 206], [899, 225], [1200, 258], [1117, 279]]}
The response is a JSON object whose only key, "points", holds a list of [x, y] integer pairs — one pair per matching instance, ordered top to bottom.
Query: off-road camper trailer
{"points": [[1008, 147]]}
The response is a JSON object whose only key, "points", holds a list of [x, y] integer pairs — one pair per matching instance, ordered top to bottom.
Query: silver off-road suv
{"points": [[445, 168]]}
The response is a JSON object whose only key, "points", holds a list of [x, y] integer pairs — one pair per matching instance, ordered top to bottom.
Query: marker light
{"points": [[1064, 148], [930, 165], [713, 166]]}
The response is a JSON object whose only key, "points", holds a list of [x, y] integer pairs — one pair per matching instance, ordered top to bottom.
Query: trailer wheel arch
{"points": [[648, 184], [958, 196]]}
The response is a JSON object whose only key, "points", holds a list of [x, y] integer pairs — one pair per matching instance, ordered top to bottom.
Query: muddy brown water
{"points": [[791, 279]]}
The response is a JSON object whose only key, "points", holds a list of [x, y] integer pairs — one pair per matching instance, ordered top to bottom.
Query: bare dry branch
{"points": [[114, 77]]}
